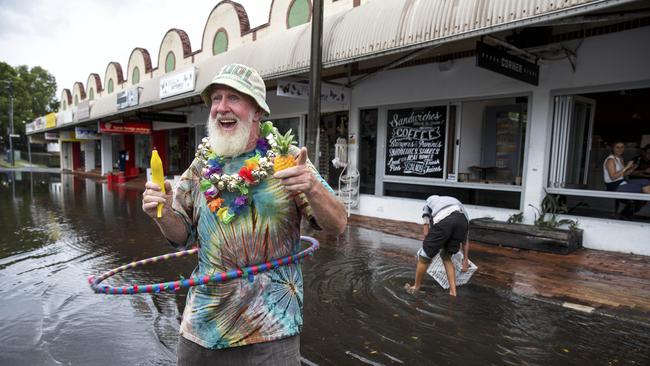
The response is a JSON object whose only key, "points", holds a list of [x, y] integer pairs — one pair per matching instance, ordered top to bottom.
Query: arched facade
{"points": [[231, 18], [177, 42], [139, 66], [114, 78], [93, 87], [78, 93], [66, 99]]}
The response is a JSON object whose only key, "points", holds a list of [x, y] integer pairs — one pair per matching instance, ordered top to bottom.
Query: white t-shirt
{"points": [[619, 166]]}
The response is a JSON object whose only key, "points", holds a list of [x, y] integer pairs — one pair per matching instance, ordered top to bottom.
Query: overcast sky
{"points": [[74, 38]]}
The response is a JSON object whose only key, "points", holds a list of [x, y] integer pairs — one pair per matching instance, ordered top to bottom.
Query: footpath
{"points": [[587, 280]]}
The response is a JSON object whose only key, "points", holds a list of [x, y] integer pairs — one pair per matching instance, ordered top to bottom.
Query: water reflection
{"points": [[55, 230]]}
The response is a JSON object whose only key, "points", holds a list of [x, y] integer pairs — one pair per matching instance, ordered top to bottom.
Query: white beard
{"points": [[233, 143]]}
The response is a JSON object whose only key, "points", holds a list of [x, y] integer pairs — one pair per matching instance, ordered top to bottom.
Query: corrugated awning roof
{"points": [[378, 28]]}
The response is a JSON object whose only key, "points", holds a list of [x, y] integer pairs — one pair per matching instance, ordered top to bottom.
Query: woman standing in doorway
{"points": [[616, 172]]}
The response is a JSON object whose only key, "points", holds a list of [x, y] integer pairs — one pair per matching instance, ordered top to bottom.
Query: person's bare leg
{"points": [[420, 270], [451, 275]]}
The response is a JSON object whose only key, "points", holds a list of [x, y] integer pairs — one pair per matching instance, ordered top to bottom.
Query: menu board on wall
{"points": [[415, 142]]}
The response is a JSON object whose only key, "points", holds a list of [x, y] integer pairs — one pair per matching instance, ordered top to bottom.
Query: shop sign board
{"points": [[501, 62], [177, 83], [329, 93], [127, 98], [83, 110], [67, 116], [50, 120], [39, 123], [30, 127], [126, 127], [86, 133], [51, 136], [67, 136], [415, 142]]}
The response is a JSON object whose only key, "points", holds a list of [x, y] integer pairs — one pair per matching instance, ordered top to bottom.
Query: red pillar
{"points": [[129, 146], [76, 155]]}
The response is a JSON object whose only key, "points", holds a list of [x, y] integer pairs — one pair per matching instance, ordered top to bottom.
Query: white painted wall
{"points": [[610, 60], [107, 154], [89, 156]]}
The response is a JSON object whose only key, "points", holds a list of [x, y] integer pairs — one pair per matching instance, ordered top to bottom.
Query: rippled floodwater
{"points": [[55, 230]]}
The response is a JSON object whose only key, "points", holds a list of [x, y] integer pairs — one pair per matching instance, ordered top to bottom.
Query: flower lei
{"points": [[254, 170]]}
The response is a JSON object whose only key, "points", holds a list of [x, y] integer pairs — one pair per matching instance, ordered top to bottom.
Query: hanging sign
{"points": [[501, 62], [177, 83], [329, 93], [127, 98], [127, 128], [86, 133], [51, 136], [67, 136], [415, 142]]}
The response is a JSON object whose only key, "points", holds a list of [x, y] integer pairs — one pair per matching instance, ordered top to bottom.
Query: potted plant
{"points": [[548, 234]]}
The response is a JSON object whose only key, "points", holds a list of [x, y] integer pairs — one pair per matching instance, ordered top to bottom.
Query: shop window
{"points": [[299, 12], [220, 43], [170, 62], [135, 76], [109, 86], [91, 94], [76, 100], [585, 129], [492, 141], [367, 150], [469, 196]]}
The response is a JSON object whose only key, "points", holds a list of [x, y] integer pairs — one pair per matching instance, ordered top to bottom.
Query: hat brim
{"points": [[205, 94]]}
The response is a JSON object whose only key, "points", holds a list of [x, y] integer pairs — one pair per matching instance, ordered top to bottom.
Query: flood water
{"points": [[56, 230]]}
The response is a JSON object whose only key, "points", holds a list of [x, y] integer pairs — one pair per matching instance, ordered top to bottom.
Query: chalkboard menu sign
{"points": [[415, 141]]}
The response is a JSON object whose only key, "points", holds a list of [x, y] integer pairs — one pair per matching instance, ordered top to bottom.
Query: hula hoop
{"points": [[174, 286]]}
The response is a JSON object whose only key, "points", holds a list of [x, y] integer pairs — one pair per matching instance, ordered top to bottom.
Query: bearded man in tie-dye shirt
{"points": [[242, 321]]}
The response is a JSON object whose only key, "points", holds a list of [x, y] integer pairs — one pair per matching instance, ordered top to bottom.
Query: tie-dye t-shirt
{"points": [[240, 312]]}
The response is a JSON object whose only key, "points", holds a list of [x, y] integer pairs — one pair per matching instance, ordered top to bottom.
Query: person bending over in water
{"points": [[445, 229]]}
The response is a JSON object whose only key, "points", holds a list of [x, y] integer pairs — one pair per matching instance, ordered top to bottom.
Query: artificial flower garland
{"points": [[255, 169]]}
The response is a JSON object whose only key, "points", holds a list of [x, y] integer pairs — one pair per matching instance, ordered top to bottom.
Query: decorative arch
{"points": [[298, 12], [229, 16], [176, 41], [140, 60], [113, 77], [93, 86], [78, 92], [66, 99]]}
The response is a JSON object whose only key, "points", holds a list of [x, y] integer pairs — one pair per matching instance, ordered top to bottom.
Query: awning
{"points": [[379, 28], [375, 29]]}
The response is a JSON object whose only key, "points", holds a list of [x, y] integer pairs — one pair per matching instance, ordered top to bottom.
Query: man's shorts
{"points": [[445, 237], [283, 352]]}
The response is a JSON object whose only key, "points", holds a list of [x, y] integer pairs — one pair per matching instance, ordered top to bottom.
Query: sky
{"points": [[74, 38]]}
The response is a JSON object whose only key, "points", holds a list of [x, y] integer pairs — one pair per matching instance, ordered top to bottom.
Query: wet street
{"points": [[56, 230]]}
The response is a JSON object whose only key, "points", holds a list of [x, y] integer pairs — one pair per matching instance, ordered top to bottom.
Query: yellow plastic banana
{"points": [[157, 176]]}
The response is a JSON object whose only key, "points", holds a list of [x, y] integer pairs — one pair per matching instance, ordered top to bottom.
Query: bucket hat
{"points": [[242, 78]]}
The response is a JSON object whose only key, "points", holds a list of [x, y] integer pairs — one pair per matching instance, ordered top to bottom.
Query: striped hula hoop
{"points": [[173, 286]]}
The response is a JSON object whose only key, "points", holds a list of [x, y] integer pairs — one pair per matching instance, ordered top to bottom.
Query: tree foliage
{"points": [[34, 92]]}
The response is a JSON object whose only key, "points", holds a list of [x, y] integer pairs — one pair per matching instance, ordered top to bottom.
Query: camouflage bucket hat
{"points": [[242, 78]]}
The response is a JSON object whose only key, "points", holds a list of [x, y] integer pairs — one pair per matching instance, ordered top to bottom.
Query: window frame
{"points": [[642, 84]]}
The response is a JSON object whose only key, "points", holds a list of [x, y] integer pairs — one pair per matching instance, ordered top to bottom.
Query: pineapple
{"points": [[284, 160]]}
